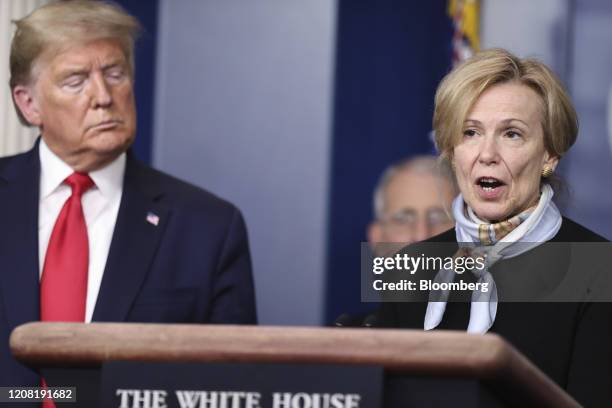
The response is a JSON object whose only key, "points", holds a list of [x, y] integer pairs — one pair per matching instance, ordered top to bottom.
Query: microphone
{"points": [[348, 320], [370, 320]]}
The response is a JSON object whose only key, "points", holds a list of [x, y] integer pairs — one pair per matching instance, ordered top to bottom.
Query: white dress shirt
{"points": [[100, 208]]}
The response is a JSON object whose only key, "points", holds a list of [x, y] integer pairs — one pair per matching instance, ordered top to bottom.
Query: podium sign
{"points": [[239, 385]]}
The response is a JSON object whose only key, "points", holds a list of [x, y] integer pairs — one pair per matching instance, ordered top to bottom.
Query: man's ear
{"points": [[26, 102], [374, 234]]}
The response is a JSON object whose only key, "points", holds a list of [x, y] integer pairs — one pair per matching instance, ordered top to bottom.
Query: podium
{"points": [[442, 368]]}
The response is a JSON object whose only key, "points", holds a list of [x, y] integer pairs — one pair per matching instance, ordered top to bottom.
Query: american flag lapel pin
{"points": [[152, 218]]}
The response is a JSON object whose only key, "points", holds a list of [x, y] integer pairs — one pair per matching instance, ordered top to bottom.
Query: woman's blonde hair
{"points": [[49, 29], [460, 89]]}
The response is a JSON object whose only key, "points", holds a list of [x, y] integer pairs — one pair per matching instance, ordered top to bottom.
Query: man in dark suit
{"points": [[87, 232]]}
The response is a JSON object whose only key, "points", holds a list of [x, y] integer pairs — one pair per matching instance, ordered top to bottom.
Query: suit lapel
{"points": [[133, 245], [19, 281]]}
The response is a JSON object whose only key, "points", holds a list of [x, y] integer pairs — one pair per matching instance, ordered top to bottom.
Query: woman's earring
{"points": [[547, 171]]}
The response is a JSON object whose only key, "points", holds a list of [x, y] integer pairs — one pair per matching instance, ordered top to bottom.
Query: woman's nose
{"points": [[489, 152]]}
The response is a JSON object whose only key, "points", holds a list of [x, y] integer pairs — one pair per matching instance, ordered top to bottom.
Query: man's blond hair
{"points": [[51, 28]]}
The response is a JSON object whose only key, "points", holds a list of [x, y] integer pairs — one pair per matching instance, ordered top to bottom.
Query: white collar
{"points": [[53, 171]]}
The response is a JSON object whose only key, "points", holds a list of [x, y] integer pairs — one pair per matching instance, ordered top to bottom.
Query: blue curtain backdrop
{"points": [[146, 12], [390, 57]]}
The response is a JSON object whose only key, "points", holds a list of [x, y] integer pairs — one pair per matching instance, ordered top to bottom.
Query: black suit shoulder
{"points": [[4, 161], [12, 166], [154, 183], [571, 231]]}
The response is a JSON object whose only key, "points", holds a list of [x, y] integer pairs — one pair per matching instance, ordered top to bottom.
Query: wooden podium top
{"points": [[414, 352]]}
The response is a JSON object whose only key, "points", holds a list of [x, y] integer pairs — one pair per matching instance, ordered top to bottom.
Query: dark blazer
{"points": [[193, 267], [570, 342]]}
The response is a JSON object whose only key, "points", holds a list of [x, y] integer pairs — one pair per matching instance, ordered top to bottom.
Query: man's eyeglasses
{"points": [[408, 219]]}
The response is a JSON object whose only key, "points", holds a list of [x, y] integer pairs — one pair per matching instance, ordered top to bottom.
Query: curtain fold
{"points": [[14, 137]]}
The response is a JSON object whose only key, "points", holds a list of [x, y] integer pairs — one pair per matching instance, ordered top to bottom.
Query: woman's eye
{"points": [[469, 132], [512, 134]]}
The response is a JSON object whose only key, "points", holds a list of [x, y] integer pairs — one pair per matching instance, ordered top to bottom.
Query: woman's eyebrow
{"points": [[510, 120]]}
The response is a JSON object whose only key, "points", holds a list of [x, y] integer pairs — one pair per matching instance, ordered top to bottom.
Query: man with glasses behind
{"points": [[411, 203]]}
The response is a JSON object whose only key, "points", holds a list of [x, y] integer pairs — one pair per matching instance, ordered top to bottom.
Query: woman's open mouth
{"points": [[489, 188]]}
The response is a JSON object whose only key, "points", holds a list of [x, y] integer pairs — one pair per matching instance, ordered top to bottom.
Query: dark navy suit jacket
{"points": [[193, 267]]}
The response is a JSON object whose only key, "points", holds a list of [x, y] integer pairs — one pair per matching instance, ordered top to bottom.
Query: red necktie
{"points": [[63, 286]]}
